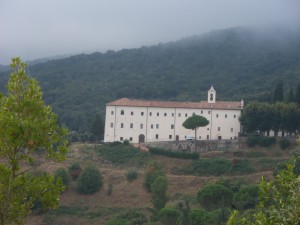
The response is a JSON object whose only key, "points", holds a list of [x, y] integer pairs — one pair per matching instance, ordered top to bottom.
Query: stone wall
{"points": [[203, 146]]}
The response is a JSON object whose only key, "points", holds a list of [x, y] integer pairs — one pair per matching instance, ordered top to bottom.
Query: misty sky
{"points": [[35, 29]]}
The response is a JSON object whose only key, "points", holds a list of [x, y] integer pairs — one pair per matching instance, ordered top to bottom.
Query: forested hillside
{"points": [[239, 62]]}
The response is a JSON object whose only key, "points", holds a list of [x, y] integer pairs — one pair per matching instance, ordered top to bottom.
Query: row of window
{"points": [[165, 114], [156, 126]]}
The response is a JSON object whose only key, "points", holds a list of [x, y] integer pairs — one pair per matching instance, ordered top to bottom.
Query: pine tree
{"points": [[278, 92]]}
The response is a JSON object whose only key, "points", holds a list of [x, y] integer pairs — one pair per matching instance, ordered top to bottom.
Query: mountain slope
{"points": [[239, 62]]}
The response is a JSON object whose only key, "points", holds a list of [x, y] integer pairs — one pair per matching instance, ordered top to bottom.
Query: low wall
{"points": [[202, 146]]}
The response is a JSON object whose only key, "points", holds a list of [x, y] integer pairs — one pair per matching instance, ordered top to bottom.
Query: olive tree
{"points": [[26, 125]]}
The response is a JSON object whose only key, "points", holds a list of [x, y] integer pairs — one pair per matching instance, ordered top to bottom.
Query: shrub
{"points": [[260, 141], [284, 143], [181, 155], [241, 166], [75, 170], [151, 172], [62, 174], [131, 175], [90, 181], [214, 196], [246, 198], [169, 216], [198, 217]]}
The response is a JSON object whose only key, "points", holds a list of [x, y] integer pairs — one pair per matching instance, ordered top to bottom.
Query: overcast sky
{"points": [[35, 29]]}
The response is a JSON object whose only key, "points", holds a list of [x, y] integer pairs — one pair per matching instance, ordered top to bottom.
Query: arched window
{"points": [[211, 97], [122, 112]]}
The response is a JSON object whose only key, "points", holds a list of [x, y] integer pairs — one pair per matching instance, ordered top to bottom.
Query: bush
{"points": [[260, 141], [284, 143], [181, 155], [241, 166], [75, 170], [151, 172], [62, 174], [131, 175], [90, 181], [214, 196], [246, 198], [169, 216], [198, 217]]}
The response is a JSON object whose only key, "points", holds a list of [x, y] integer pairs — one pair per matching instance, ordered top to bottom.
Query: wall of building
{"points": [[164, 124]]}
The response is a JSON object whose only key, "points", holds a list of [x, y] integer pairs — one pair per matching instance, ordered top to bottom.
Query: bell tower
{"points": [[211, 97]]}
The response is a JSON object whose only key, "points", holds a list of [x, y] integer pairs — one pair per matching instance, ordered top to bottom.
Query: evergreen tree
{"points": [[278, 92], [297, 95], [290, 97], [97, 128]]}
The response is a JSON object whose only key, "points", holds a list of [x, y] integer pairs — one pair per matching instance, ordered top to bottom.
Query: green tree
{"points": [[278, 92], [297, 95], [290, 96], [193, 123], [26, 125], [97, 128], [62, 174], [90, 181], [159, 192], [214, 196], [246, 198], [279, 201], [170, 216]]}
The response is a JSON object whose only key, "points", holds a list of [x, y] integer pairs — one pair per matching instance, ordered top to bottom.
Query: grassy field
{"points": [[185, 178]]}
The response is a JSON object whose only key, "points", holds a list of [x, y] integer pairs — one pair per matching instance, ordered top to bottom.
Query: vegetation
{"points": [[78, 87], [26, 125], [181, 155], [75, 170], [152, 171], [131, 175], [64, 176], [90, 181], [159, 189], [279, 201]]}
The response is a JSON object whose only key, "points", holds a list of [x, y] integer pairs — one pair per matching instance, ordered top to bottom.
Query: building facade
{"points": [[151, 121]]}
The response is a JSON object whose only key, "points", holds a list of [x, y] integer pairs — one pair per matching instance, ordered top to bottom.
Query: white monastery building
{"points": [[149, 121]]}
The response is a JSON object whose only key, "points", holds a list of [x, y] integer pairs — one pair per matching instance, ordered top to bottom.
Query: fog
{"points": [[35, 29]]}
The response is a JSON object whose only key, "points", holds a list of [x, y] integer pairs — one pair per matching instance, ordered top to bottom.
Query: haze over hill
{"points": [[239, 62]]}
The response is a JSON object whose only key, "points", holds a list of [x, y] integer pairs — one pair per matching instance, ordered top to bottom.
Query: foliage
{"points": [[278, 92], [26, 125], [97, 128], [261, 141], [284, 143], [122, 154], [181, 155], [241, 166], [75, 170], [152, 171], [62, 174], [131, 175], [90, 181], [159, 192], [214, 196], [246, 197], [279, 200], [131, 216], [169, 216], [198, 217]]}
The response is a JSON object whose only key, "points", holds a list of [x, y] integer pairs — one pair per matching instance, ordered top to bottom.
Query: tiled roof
{"points": [[163, 104]]}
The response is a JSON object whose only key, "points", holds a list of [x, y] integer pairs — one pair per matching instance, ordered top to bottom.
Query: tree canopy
{"points": [[26, 125]]}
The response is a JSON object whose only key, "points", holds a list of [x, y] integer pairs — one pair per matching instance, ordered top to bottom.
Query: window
{"points": [[211, 97], [201, 111], [208, 111], [112, 112], [122, 112], [131, 113], [142, 113], [150, 113], [157, 114], [165, 114], [172, 114], [179, 114], [194, 114], [186, 115], [217, 115], [225, 115], [234, 116], [111, 125], [122, 125], [131, 125], [141, 126], [151, 126], [157, 126], [172, 126], [219, 128], [231, 129], [156, 136], [170, 136], [207, 137], [121, 138], [130, 139]]}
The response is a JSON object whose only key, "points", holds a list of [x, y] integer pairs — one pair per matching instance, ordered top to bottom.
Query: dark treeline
{"points": [[239, 62]]}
